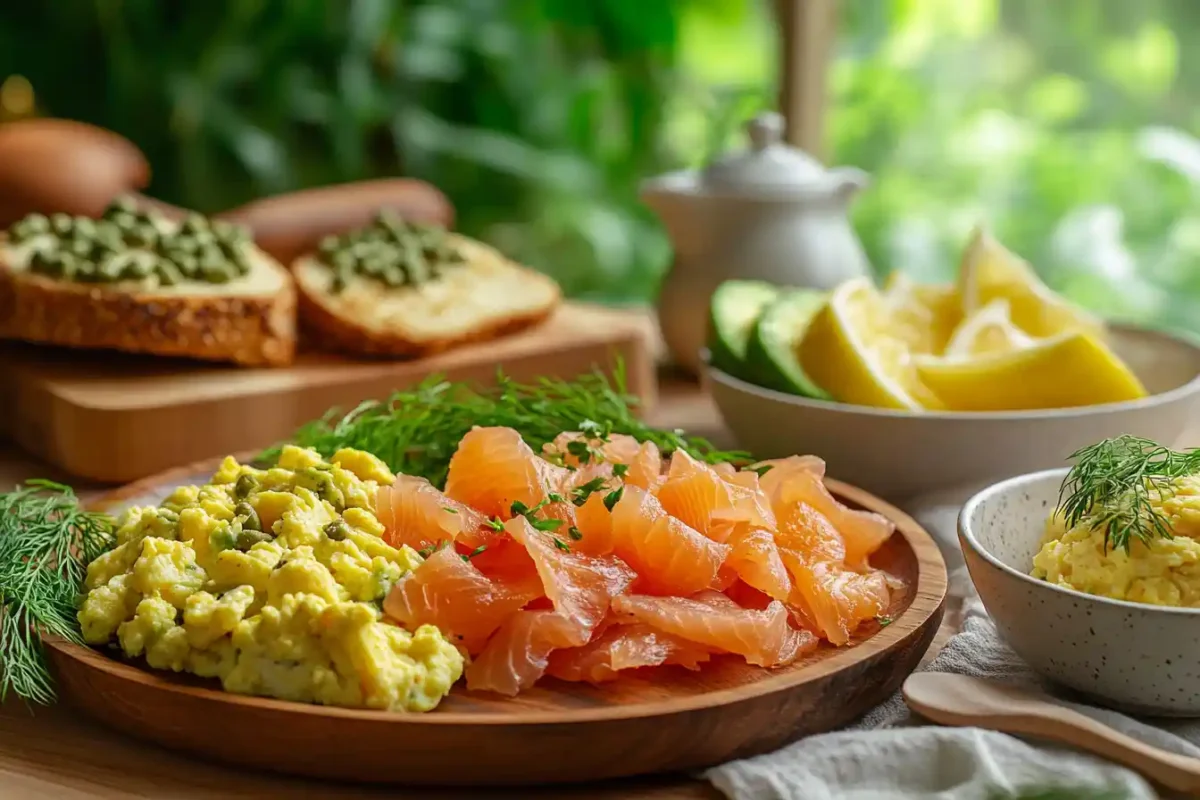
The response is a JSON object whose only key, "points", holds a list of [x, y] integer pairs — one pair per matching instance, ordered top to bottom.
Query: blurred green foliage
{"points": [[1064, 126]]}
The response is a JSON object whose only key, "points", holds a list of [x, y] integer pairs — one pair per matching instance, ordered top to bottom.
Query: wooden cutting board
{"points": [[114, 417]]}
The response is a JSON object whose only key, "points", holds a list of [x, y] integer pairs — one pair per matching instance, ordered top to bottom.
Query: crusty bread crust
{"points": [[332, 326], [243, 328]]}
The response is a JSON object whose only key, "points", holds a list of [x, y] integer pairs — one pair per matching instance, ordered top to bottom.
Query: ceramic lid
{"points": [[767, 165]]}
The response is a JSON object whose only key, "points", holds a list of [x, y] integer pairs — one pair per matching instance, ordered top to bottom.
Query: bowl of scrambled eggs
{"points": [[270, 581], [1115, 623]]}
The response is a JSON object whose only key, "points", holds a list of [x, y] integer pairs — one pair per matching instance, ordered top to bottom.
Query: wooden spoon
{"points": [[965, 701]]}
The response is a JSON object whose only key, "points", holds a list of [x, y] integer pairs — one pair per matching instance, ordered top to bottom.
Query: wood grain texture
{"points": [[113, 418], [558, 732]]}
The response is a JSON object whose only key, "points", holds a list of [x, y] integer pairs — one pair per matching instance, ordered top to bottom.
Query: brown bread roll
{"points": [[56, 165], [290, 225]]}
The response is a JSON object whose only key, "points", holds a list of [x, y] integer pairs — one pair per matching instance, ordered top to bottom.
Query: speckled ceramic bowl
{"points": [[898, 455], [1136, 657]]}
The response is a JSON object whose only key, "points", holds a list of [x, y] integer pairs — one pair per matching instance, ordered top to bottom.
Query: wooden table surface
{"points": [[54, 752]]}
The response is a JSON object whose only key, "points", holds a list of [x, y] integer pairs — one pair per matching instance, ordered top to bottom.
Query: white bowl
{"points": [[900, 454], [1140, 658]]}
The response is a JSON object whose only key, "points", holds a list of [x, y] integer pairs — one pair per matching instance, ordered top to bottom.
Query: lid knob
{"points": [[765, 130]]}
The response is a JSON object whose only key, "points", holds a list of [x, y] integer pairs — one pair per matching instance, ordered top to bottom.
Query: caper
{"points": [[121, 204], [124, 220], [61, 223], [194, 223], [36, 224], [144, 235], [80, 247], [328, 247], [187, 264], [137, 268], [111, 269], [168, 273], [218, 273], [244, 486], [250, 519], [336, 530], [248, 538]]}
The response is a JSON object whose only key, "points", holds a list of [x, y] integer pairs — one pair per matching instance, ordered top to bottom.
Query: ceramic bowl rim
{"points": [[1192, 386], [967, 536]]}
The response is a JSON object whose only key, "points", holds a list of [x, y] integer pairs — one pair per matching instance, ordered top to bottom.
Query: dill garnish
{"points": [[417, 430], [1112, 483], [613, 497], [46, 542]]}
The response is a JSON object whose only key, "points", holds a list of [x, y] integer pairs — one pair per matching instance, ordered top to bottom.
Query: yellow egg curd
{"points": [[1162, 570], [271, 581]]}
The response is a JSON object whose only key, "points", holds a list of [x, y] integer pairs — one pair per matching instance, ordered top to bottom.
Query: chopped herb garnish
{"points": [[417, 430], [594, 430], [580, 450], [619, 470], [761, 470], [1112, 485], [583, 491], [554, 497], [613, 497], [518, 509], [449, 510], [495, 523], [546, 524], [575, 533], [46, 543], [561, 545], [428, 550], [474, 552], [884, 620]]}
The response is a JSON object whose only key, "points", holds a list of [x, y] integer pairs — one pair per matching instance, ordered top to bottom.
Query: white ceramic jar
{"points": [[770, 213]]}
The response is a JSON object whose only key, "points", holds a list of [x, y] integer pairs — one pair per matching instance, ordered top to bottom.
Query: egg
{"points": [[1161, 571], [271, 582]]}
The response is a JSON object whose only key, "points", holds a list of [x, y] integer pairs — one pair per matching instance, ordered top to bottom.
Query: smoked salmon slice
{"points": [[643, 459], [494, 468], [797, 479], [415, 513], [668, 556], [755, 559], [580, 587], [449, 592], [827, 594], [762, 637], [623, 647], [517, 655]]}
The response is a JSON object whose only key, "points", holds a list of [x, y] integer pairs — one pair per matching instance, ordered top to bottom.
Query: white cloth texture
{"points": [[892, 753]]}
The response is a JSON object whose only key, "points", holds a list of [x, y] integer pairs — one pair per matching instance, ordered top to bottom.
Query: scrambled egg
{"points": [[1163, 571], [271, 581]]}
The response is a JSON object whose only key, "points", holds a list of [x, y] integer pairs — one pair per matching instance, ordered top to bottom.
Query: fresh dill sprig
{"points": [[417, 430], [1112, 483], [46, 543]]}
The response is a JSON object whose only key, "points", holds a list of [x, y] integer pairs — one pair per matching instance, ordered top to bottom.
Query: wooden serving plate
{"points": [[668, 720]]}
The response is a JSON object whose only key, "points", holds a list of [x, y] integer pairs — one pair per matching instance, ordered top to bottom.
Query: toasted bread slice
{"points": [[487, 296], [250, 320]]}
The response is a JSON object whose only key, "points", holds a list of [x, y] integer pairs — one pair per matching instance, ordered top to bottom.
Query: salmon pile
{"points": [[590, 558]]}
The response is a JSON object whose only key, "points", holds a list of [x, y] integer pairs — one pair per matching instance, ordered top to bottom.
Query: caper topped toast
{"points": [[134, 281], [397, 288]]}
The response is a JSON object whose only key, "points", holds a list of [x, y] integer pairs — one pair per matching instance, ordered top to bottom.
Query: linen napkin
{"points": [[892, 753]]}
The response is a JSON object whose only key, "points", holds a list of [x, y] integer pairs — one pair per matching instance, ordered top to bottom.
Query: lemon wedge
{"points": [[990, 271], [925, 315], [988, 330], [853, 350], [1072, 369]]}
